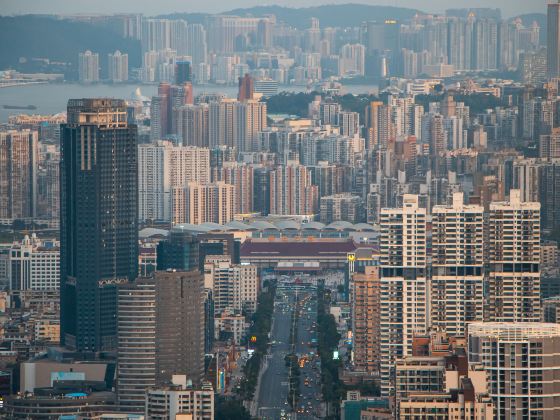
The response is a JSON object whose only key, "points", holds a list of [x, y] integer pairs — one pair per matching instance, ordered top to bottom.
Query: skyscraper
{"points": [[553, 40], [88, 67], [118, 67], [183, 72], [246, 88], [162, 166], [18, 174], [291, 190], [201, 203], [98, 226], [514, 257], [404, 284], [457, 296], [365, 319], [136, 321], [179, 325], [522, 363]]}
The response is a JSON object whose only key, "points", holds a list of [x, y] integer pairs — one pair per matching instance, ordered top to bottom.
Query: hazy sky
{"points": [[153, 7]]}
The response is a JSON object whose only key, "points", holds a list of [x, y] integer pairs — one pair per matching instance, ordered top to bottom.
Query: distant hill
{"points": [[329, 15], [540, 18], [33, 36]]}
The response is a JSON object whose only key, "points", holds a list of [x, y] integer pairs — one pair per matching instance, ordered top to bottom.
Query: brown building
{"points": [[246, 88], [18, 173], [365, 319], [179, 325]]}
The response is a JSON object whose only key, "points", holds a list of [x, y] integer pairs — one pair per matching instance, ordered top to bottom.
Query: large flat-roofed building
{"points": [[273, 254]]}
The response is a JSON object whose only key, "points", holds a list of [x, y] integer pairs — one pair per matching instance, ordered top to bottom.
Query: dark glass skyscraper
{"points": [[98, 226]]}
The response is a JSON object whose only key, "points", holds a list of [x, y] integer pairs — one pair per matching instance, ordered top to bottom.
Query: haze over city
{"points": [[509, 7], [299, 211]]}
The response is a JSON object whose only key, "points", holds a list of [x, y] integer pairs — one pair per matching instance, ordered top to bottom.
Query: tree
{"points": [[229, 409]]}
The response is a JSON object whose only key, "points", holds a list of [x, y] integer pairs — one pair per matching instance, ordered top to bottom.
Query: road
{"points": [[273, 387]]}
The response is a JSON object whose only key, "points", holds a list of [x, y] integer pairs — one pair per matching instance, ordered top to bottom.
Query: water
{"points": [[52, 98]]}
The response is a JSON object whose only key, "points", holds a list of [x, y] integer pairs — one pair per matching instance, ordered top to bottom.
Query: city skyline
{"points": [[509, 8], [337, 213]]}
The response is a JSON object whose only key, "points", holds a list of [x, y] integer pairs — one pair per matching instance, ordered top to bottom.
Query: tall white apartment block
{"points": [[88, 67], [118, 67], [163, 166], [514, 261], [457, 284], [404, 297]]}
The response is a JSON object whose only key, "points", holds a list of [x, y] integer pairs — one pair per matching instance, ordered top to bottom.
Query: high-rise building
{"points": [[553, 39], [196, 46], [352, 60], [88, 67], [118, 67], [183, 72], [246, 88], [249, 118], [349, 123], [192, 125], [221, 125], [549, 147], [163, 166], [18, 174], [241, 176], [291, 190], [198, 203], [343, 206], [98, 226], [180, 251], [514, 257], [34, 264], [404, 284], [457, 285], [234, 287], [365, 320], [179, 325], [136, 349], [522, 362], [179, 400]]}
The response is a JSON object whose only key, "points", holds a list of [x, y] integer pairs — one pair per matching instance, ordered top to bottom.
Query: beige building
{"points": [[249, 120], [192, 125], [163, 166], [241, 176], [291, 190], [198, 203], [550, 258], [514, 261], [404, 284], [457, 285], [235, 287], [365, 320], [522, 363], [180, 400]]}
